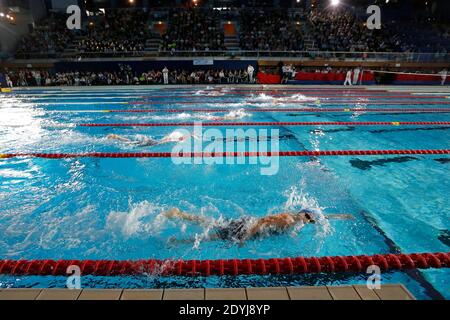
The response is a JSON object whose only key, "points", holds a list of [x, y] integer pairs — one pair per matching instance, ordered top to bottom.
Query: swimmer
{"points": [[232, 115], [144, 141], [246, 227]]}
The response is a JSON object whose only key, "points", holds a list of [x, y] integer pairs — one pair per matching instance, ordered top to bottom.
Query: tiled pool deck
{"points": [[356, 292]]}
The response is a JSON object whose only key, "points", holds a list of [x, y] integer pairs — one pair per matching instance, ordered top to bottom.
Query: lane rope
{"points": [[332, 95], [326, 102], [398, 110], [234, 124], [225, 154], [234, 267]]}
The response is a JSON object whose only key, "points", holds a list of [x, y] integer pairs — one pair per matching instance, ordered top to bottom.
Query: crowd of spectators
{"points": [[262, 29], [193, 30], [269, 30], [340, 30], [118, 31], [419, 35], [50, 36], [125, 76]]}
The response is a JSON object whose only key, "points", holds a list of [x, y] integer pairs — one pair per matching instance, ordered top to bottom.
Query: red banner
{"points": [[265, 78], [417, 78]]}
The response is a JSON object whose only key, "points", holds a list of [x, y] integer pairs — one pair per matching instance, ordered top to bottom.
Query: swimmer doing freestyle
{"points": [[176, 136], [144, 141], [246, 227]]}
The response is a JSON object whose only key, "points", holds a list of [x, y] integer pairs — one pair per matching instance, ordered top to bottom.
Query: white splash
{"points": [[300, 200], [142, 219]]}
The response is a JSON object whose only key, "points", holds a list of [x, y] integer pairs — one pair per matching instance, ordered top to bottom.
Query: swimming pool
{"points": [[107, 208]]}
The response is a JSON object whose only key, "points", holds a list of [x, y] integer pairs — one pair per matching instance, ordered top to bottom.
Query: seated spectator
{"points": [[193, 30], [269, 31], [50, 36], [126, 76]]}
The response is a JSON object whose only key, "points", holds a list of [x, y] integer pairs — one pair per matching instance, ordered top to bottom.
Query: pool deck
{"points": [[355, 292]]}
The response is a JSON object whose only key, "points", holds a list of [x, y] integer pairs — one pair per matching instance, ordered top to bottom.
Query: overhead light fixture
{"points": [[334, 3]]}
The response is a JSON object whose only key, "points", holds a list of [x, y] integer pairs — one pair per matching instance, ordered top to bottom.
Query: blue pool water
{"points": [[86, 208]]}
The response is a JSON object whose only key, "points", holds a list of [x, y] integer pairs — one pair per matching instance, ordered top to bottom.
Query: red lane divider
{"points": [[243, 92], [327, 102], [400, 110], [312, 123], [224, 154], [297, 265]]}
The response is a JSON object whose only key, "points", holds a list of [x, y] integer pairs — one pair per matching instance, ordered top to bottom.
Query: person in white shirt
{"points": [[250, 71], [285, 72], [293, 72], [166, 75], [356, 76], [443, 76], [348, 78], [9, 82]]}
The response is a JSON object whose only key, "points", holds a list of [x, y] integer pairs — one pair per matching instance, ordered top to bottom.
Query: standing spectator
{"points": [[250, 71], [166, 75], [356, 75], [221, 76], [443, 76], [348, 78], [9, 82]]}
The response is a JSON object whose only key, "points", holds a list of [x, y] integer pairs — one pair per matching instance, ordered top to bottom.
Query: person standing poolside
{"points": [[250, 71], [356, 73], [166, 75], [443, 76], [348, 78], [9, 83], [247, 227]]}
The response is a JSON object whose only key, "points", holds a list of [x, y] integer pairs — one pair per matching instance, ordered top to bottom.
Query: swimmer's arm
{"points": [[117, 137], [164, 140], [149, 143], [177, 213], [337, 216], [341, 216], [263, 223], [255, 230]]}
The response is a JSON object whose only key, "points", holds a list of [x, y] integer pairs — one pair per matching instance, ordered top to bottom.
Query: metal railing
{"points": [[302, 55]]}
